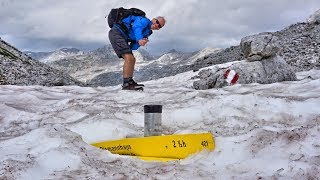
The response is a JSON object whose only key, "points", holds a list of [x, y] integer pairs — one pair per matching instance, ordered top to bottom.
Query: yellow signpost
{"points": [[160, 148]]}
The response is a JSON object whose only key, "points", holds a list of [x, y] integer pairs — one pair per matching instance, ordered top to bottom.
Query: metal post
{"points": [[152, 120]]}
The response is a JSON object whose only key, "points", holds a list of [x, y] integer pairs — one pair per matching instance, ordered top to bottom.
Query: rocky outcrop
{"points": [[314, 18], [299, 45], [260, 46], [261, 65], [17, 68], [266, 71]]}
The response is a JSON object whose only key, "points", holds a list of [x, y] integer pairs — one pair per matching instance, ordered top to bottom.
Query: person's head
{"points": [[158, 23]]}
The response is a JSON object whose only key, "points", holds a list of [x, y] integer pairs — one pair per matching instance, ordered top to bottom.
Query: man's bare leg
{"points": [[128, 65]]}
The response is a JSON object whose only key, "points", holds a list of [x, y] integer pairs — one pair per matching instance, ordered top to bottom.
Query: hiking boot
{"points": [[136, 84], [131, 86]]}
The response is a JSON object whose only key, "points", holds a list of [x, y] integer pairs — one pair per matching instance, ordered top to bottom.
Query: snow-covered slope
{"points": [[203, 53], [61, 54], [37, 55], [143, 55], [49, 57], [174, 57], [261, 131]]}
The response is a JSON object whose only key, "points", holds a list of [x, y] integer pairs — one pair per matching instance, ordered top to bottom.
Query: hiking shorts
{"points": [[118, 42]]}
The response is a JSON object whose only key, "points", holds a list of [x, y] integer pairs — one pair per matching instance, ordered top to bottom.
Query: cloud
{"points": [[191, 24]]}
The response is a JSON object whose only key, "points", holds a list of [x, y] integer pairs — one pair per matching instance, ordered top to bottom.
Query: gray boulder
{"points": [[259, 46], [266, 71]]}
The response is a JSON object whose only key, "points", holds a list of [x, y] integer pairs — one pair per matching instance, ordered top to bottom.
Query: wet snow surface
{"points": [[261, 131]]}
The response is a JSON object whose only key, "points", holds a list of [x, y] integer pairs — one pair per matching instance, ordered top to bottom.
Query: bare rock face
{"points": [[314, 18], [259, 46], [301, 46], [17, 68]]}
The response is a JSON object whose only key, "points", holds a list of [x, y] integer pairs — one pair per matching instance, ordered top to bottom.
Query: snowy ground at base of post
{"points": [[261, 131]]}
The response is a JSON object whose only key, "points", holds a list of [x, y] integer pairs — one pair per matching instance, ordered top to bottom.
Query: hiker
{"points": [[127, 34]]}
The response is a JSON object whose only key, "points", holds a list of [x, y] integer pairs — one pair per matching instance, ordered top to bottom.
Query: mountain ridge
{"points": [[299, 44], [16, 68]]}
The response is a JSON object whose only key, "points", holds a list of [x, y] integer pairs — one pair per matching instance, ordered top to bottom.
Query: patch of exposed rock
{"points": [[314, 18], [299, 46], [227, 55], [260, 65], [17, 68]]}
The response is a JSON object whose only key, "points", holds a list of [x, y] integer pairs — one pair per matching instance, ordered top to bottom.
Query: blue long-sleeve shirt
{"points": [[139, 27]]}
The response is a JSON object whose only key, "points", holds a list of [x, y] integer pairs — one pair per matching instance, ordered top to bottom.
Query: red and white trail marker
{"points": [[231, 76]]}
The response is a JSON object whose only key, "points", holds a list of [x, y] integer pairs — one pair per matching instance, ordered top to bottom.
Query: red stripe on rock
{"points": [[226, 74], [235, 78]]}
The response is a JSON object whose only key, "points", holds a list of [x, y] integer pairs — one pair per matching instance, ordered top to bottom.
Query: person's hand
{"points": [[143, 41]]}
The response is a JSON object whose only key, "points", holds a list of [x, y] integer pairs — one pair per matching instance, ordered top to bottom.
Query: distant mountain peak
{"points": [[69, 50], [172, 51]]}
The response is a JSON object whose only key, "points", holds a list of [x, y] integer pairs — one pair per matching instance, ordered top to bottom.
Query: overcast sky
{"points": [[45, 25]]}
